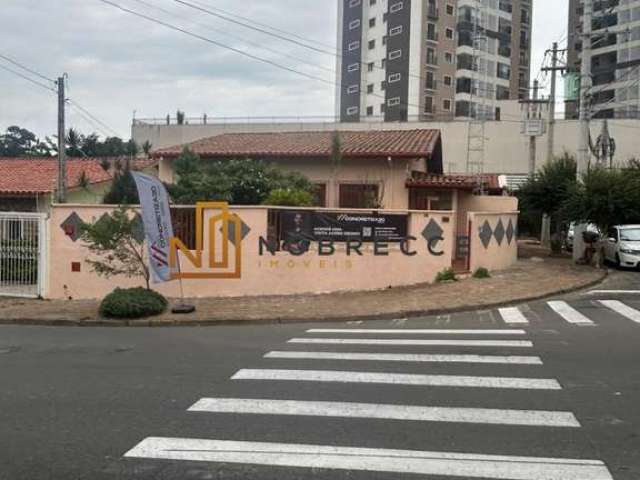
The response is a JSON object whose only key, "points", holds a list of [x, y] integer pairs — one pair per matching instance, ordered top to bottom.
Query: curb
{"points": [[93, 322]]}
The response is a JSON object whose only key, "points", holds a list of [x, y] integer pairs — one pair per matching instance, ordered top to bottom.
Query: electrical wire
{"points": [[237, 37], [30, 70], [35, 82]]}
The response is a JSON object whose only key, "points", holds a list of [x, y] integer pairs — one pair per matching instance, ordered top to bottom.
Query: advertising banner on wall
{"points": [[302, 227], [158, 229]]}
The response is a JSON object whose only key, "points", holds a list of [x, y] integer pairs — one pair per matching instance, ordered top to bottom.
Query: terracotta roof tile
{"points": [[373, 143], [40, 174], [467, 182]]}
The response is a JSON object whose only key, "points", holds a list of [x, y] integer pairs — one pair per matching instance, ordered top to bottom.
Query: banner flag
{"points": [[156, 216]]}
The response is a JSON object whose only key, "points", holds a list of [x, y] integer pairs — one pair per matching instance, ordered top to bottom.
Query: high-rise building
{"points": [[615, 57], [431, 59]]}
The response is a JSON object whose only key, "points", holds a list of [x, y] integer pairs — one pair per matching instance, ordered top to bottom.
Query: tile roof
{"points": [[371, 143], [40, 174], [461, 182]]}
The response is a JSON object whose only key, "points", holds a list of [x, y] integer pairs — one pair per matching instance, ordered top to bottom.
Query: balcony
{"points": [[431, 84]]}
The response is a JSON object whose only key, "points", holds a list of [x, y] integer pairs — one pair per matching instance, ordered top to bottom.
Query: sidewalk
{"points": [[529, 279]]}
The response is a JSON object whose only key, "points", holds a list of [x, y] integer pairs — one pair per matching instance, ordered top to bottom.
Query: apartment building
{"points": [[421, 60], [615, 62]]}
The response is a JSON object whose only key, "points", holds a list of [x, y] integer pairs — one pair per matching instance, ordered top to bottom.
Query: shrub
{"points": [[289, 197], [481, 273], [447, 275], [132, 303]]}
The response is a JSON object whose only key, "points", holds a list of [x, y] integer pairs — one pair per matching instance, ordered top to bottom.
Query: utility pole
{"points": [[554, 69], [585, 86], [532, 138], [584, 151], [62, 156]]}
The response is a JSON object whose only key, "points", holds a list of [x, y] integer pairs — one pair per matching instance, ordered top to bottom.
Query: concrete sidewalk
{"points": [[529, 279]]}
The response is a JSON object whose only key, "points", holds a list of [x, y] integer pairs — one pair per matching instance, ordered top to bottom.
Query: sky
{"points": [[120, 65]]}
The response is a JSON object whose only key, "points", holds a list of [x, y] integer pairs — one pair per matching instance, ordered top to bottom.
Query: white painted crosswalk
{"points": [[624, 310], [569, 313], [513, 315], [391, 347], [407, 357], [387, 412], [370, 459]]}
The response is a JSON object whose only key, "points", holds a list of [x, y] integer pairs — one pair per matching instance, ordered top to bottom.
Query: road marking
{"points": [[612, 292], [622, 309], [569, 313], [512, 316], [425, 331], [458, 343], [409, 357], [397, 379], [532, 418], [370, 459]]}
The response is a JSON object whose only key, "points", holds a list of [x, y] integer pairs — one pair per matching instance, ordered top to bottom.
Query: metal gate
{"points": [[22, 254]]}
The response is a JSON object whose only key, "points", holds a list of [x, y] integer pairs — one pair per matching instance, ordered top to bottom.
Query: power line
{"points": [[271, 27], [257, 29], [254, 44], [31, 71], [35, 82], [90, 115]]}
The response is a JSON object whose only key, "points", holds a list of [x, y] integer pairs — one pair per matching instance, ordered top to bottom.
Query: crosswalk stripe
{"points": [[612, 292], [622, 309], [569, 313], [513, 315], [406, 331], [406, 342], [409, 357], [397, 379], [534, 418], [370, 459]]}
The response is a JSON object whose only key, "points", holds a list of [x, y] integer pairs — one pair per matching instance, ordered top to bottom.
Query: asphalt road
{"points": [[557, 397]]}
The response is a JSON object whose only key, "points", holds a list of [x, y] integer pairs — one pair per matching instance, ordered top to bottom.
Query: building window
{"points": [[372, 2], [354, 3], [396, 7], [450, 10], [372, 22], [355, 24], [395, 31], [449, 33], [384, 40], [372, 44], [353, 46], [395, 54], [448, 57], [383, 63], [353, 67], [370, 67], [504, 71], [394, 78], [447, 80], [383, 85], [370, 88], [353, 89], [393, 102], [428, 105], [446, 105], [383, 107], [352, 110], [369, 111], [320, 194], [359, 196]]}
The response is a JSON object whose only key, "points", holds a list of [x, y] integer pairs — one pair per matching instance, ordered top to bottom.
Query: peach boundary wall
{"points": [[282, 274]]}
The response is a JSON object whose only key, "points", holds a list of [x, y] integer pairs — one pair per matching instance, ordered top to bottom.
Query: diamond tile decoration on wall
{"points": [[71, 226], [138, 228], [432, 230], [244, 231], [499, 232], [510, 232], [485, 234]]}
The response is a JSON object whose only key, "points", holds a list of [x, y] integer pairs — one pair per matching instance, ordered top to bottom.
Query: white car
{"points": [[622, 246]]}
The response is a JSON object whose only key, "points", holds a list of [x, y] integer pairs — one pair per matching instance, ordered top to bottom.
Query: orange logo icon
{"points": [[223, 257]]}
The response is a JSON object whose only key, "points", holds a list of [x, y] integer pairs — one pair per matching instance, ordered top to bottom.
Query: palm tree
{"points": [[74, 144]]}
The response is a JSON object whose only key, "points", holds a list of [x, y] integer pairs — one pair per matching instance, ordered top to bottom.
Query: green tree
{"points": [[18, 142], [74, 143], [146, 147], [240, 182], [123, 189], [548, 190], [289, 197], [606, 197], [114, 240]]}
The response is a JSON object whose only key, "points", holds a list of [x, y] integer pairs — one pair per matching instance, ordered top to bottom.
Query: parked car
{"points": [[568, 239], [622, 246]]}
